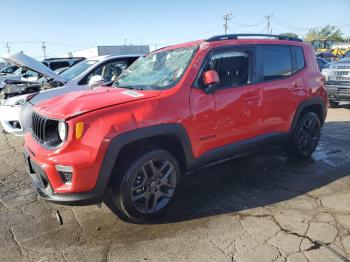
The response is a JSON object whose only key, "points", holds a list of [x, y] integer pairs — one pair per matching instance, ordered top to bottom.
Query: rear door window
{"points": [[277, 62], [57, 65]]}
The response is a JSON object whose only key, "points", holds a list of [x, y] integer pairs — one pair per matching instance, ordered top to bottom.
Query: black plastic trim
{"points": [[236, 36], [303, 105], [116, 144], [239, 148]]}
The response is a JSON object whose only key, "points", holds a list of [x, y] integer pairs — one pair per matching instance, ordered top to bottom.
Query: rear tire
{"points": [[333, 104], [306, 136], [145, 187]]}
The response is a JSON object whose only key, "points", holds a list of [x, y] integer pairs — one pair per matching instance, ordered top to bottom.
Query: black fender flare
{"points": [[318, 101], [118, 142]]}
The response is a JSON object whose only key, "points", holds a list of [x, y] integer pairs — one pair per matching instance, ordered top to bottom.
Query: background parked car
{"points": [[65, 62], [321, 62], [21, 63], [8, 70], [338, 81], [16, 111]]}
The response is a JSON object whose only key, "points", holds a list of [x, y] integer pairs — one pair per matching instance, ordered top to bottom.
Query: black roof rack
{"points": [[236, 36]]}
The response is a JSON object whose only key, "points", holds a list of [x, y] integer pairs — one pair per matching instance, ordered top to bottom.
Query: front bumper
{"points": [[338, 91], [9, 116], [89, 176], [44, 189]]}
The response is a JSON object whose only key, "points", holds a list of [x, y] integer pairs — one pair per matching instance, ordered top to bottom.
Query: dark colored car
{"points": [[321, 62], [338, 81]]}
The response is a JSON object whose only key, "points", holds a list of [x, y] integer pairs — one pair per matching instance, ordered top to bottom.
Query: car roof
{"points": [[105, 57], [62, 59]]}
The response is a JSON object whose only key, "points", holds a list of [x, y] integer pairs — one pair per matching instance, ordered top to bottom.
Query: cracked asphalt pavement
{"points": [[263, 207]]}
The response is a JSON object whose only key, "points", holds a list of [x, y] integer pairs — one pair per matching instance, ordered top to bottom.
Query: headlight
{"points": [[18, 100], [15, 101], [62, 130]]}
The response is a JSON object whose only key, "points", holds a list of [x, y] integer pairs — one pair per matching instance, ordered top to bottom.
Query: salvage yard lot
{"points": [[265, 207]]}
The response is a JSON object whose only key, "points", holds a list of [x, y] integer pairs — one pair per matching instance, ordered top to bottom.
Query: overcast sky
{"points": [[67, 25]]}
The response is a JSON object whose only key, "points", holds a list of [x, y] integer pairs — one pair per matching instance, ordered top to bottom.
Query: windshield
{"points": [[77, 69], [160, 70], [18, 72]]}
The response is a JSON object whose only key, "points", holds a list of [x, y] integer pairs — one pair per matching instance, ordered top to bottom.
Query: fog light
{"points": [[15, 124], [66, 173]]}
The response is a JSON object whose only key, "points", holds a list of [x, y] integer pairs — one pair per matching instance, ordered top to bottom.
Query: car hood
{"points": [[21, 59], [341, 62], [9, 77], [80, 102]]}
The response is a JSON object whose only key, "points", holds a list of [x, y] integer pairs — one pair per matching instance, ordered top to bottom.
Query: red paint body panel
{"points": [[211, 120]]}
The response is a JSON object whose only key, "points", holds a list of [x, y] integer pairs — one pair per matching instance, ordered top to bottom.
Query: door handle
{"points": [[248, 98], [251, 98]]}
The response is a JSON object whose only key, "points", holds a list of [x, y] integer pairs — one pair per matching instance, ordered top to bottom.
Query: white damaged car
{"points": [[19, 99]]}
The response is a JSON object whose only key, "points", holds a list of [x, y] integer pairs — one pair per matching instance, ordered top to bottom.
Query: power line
{"points": [[245, 24], [286, 24], [188, 37]]}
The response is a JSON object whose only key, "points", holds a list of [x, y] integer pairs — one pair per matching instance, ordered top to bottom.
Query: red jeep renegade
{"points": [[174, 110]]}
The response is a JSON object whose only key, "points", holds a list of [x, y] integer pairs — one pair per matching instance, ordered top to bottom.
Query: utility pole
{"points": [[227, 17], [268, 17], [8, 47], [44, 49]]}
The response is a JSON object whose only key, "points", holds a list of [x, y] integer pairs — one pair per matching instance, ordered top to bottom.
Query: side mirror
{"points": [[210, 79], [96, 80]]}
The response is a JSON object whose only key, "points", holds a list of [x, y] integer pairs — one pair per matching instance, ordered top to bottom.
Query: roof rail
{"points": [[236, 36]]}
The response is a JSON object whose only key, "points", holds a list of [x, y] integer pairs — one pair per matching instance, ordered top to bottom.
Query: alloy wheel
{"points": [[308, 135], [154, 185]]}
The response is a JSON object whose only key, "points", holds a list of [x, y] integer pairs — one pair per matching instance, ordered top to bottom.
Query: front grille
{"points": [[343, 67], [341, 73], [339, 78], [344, 91], [39, 127], [45, 131]]}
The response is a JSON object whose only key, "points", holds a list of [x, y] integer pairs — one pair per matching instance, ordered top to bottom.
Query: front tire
{"points": [[306, 136], [146, 186]]}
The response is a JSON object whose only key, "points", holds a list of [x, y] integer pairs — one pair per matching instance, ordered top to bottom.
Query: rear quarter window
{"points": [[300, 58]]}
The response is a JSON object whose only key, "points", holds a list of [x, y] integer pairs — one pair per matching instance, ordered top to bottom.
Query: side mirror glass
{"points": [[210, 79], [96, 80]]}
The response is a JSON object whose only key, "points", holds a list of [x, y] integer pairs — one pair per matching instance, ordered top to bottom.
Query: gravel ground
{"points": [[265, 207]]}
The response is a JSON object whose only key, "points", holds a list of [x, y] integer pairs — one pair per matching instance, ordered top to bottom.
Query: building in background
{"points": [[110, 50]]}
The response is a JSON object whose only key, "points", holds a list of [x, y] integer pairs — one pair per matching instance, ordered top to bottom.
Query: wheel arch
{"points": [[315, 105], [171, 137]]}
